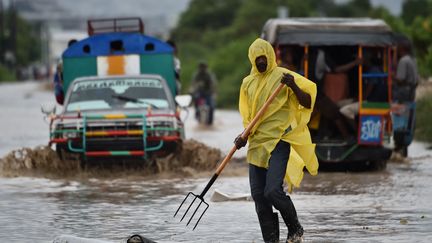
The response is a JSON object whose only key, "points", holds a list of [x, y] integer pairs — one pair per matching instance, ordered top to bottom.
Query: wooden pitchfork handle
{"points": [[244, 136]]}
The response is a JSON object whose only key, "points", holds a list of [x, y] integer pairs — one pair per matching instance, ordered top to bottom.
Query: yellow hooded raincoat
{"points": [[285, 119]]}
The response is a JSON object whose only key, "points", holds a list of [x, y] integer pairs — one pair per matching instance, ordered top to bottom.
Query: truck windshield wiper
{"points": [[134, 100]]}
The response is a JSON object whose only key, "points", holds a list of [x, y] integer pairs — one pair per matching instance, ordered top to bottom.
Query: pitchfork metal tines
{"points": [[196, 202], [201, 212]]}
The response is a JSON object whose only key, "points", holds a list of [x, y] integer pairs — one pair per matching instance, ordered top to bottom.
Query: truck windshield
{"points": [[103, 94]]}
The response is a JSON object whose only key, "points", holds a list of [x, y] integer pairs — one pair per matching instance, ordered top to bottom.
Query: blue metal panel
{"points": [[131, 43], [371, 129]]}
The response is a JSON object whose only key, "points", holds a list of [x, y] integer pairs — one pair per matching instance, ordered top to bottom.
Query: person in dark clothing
{"points": [[287, 60], [406, 78], [58, 79], [58, 84], [203, 87], [375, 89], [326, 106], [281, 130]]}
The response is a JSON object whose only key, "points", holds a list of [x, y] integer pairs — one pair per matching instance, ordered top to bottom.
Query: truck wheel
{"points": [[203, 118], [178, 147], [60, 150], [83, 163], [382, 164], [378, 165]]}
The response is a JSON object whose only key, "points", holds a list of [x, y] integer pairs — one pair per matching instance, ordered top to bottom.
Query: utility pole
{"points": [[13, 30], [2, 42]]}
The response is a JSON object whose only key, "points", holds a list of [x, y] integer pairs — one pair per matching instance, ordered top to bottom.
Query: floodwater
{"points": [[393, 205]]}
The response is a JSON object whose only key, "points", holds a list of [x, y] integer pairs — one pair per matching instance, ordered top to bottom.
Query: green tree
{"points": [[414, 8], [203, 16], [397, 24], [220, 32], [421, 35], [22, 40], [27, 43], [6, 74]]}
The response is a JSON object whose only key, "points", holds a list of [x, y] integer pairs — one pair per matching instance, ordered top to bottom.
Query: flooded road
{"points": [[393, 205]]}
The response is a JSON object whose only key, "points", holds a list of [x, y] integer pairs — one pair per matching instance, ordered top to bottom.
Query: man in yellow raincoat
{"points": [[280, 145]]}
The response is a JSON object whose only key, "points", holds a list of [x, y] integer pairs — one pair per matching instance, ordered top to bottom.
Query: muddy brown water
{"points": [[41, 198], [385, 206]]}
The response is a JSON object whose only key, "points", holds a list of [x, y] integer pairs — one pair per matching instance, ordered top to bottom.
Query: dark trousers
{"points": [[267, 189]]}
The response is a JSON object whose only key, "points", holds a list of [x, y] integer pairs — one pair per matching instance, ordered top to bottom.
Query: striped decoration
{"points": [[118, 65], [114, 133], [115, 153]]}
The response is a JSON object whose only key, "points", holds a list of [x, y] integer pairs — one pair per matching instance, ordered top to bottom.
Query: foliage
{"points": [[415, 8], [205, 16], [395, 23], [416, 23], [221, 31], [421, 35], [28, 43], [25, 45], [425, 66], [235, 69], [5, 74], [423, 118]]}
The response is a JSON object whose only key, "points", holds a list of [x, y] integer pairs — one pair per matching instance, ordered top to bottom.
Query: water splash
{"points": [[39, 160], [44, 161]]}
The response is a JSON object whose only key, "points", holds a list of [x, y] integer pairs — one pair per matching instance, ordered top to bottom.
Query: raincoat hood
{"points": [[258, 48]]}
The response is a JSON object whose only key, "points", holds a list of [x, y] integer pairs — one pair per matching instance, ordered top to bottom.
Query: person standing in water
{"points": [[280, 145]]}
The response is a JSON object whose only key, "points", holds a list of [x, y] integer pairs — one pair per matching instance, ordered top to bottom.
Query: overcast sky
{"points": [[394, 6]]}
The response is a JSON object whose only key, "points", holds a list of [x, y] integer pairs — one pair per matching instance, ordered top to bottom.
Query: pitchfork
{"points": [[199, 199]]}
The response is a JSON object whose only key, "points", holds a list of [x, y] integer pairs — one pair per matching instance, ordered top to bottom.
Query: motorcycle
{"points": [[203, 109]]}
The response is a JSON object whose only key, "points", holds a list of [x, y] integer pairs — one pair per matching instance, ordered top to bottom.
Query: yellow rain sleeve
{"points": [[243, 102], [302, 148]]}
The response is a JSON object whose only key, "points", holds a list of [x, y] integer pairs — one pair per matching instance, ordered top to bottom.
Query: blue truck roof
{"points": [[131, 43]]}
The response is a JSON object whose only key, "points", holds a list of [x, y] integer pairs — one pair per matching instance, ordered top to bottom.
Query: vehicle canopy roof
{"points": [[327, 31], [132, 43]]}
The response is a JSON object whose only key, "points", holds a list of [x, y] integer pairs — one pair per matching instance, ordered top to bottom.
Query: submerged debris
{"points": [[403, 221]]}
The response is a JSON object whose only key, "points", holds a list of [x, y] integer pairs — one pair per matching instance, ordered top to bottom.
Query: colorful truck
{"points": [[119, 101]]}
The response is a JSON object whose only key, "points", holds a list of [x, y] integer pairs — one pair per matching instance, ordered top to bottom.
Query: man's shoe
{"points": [[269, 224], [297, 237]]}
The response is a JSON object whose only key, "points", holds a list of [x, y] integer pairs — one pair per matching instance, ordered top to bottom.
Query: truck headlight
{"points": [[70, 135]]}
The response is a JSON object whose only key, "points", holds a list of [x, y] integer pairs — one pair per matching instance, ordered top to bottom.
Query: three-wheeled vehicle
{"points": [[350, 59], [120, 88]]}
